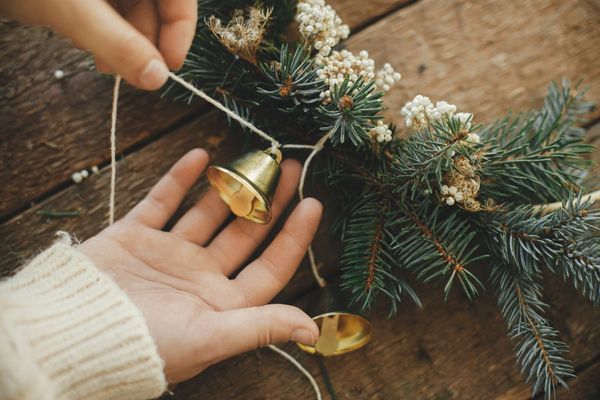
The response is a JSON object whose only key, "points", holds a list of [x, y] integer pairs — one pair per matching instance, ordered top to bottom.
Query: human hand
{"points": [[137, 39], [181, 280]]}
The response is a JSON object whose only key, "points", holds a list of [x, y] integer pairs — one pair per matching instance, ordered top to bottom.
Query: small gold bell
{"points": [[248, 184], [342, 329]]}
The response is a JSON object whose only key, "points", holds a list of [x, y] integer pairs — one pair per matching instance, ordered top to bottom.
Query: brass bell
{"points": [[248, 184], [342, 329]]}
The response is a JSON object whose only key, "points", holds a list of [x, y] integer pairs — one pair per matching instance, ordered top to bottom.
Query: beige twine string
{"points": [[274, 145], [113, 151], [547, 208]]}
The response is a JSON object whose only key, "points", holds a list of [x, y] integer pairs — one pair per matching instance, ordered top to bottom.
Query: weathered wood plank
{"points": [[358, 13], [489, 57], [52, 128], [19, 231], [446, 345], [457, 350]]}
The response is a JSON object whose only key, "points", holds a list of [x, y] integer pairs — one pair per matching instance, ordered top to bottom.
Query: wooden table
{"points": [[486, 56]]}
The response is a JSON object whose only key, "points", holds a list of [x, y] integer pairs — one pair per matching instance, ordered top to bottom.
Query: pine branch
{"points": [[292, 88], [351, 112], [537, 157], [421, 161], [564, 241], [436, 246], [368, 264], [539, 351]]}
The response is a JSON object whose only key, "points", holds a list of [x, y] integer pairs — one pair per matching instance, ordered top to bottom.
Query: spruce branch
{"points": [[292, 81], [351, 112], [428, 154], [536, 157], [564, 241], [436, 246], [368, 263], [539, 350]]}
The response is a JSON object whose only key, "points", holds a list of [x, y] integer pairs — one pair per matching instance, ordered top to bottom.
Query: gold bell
{"points": [[248, 184], [342, 329]]}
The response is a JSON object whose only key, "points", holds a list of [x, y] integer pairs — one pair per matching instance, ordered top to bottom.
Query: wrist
{"points": [[82, 333]]}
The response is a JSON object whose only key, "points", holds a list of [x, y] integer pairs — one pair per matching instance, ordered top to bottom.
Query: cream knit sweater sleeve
{"points": [[68, 332]]}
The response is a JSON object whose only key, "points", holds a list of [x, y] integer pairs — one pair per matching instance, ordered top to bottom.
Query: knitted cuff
{"points": [[86, 338]]}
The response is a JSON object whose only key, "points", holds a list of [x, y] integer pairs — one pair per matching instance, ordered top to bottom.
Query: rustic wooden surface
{"points": [[487, 57], [62, 124]]}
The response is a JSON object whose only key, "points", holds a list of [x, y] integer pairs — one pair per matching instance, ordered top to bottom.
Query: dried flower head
{"points": [[320, 25], [243, 33], [342, 65], [421, 112], [381, 132], [461, 185]]}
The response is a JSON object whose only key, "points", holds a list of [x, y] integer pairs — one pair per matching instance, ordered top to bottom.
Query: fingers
{"points": [[143, 15], [178, 25], [97, 26], [164, 198], [201, 221], [237, 241], [266, 276], [237, 331]]}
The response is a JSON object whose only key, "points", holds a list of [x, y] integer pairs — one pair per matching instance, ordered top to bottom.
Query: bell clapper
{"points": [[241, 203], [328, 339]]}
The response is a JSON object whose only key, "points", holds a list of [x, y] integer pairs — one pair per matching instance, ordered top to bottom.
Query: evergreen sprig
{"points": [[292, 81], [350, 114], [538, 157], [422, 159], [395, 214], [565, 241], [436, 244], [540, 352]]}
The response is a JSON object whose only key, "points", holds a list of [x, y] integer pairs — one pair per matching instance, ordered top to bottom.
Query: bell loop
{"points": [[275, 153]]}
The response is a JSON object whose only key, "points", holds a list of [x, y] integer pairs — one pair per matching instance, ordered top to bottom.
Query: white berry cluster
{"points": [[320, 25], [339, 65], [386, 77], [441, 110], [420, 112], [465, 119], [381, 132], [473, 138], [79, 176], [452, 193]]}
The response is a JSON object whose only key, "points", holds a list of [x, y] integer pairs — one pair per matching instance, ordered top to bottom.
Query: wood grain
{"points": [[378, 39], [487, 57], [50, 128], [454, 350]]}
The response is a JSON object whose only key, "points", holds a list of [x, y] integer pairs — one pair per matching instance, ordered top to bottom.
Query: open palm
{"points": [[180, 279]]}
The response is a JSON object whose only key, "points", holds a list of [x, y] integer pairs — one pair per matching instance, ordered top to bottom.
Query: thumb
{"points": [[95, 25], [245, 329]]}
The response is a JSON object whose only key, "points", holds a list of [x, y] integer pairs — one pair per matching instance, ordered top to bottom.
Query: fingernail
{"points": [[154, 74], [303, 336]]}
